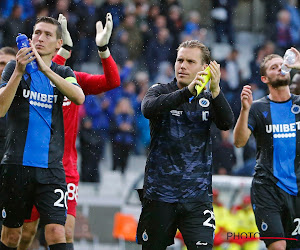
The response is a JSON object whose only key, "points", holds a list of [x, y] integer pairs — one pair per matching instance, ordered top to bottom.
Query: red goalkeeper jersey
{"points": [[91, 85]]}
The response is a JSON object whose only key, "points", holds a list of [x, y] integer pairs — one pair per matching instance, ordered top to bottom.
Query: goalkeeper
{"points": [[177, 185]]}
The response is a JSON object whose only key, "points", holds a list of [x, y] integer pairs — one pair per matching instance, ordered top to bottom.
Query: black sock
{"points": [[59, 246], [69, 246], [3, 247]]}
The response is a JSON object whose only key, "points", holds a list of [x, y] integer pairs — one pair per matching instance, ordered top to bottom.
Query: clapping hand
{"points": [[103, 34], [67, 40]]}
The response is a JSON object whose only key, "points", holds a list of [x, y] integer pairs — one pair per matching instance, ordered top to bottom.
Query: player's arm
{"points": [[64, 52], [11, 78], [92, 84], [95, 84], [67, 86], [156, 102], [223, 115], [241, 132]]}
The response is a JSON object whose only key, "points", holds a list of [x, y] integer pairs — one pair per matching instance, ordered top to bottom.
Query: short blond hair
{"points": [[197, 44]]}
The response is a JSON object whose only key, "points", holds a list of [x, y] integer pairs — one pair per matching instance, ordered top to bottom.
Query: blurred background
{"points": [[146, 33]]}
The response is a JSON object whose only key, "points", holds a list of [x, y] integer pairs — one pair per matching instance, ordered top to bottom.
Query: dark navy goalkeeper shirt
{"points": [[35, 130], [178, 167]]}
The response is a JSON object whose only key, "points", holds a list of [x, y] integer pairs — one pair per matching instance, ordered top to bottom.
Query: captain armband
{"points": [[72, 80]]}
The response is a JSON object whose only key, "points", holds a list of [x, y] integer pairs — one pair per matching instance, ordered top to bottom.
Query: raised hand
{"points": [[103, 34], [67, 40], [23, 57], [42, 65], [215, 78], [198, 80], [246, 97]]}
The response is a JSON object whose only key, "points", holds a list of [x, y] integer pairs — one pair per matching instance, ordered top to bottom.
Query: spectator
{"points": [[165, 6], [115, 7], [292, 7], [40, 10], [86, 11], [271, 11], [222, 18], [12, 26], [175, 26], [192, 26], [283, 35], [135, 43], [119, 48], [158, 51], [165, 72], [234, 80], [123, 134], [93, 137], [89, 150], [223, 155]]}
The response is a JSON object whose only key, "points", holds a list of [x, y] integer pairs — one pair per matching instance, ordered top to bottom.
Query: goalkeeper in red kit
{"points": [[91, 85]]}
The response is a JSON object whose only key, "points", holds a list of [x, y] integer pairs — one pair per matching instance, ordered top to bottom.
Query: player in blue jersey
{"points": [[274, 121], [31, 170], [178, 175]]}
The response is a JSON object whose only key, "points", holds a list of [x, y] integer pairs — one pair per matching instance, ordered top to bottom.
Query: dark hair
{"points": [[46, 19], [196, 44], [8, 51], [263, 68]]}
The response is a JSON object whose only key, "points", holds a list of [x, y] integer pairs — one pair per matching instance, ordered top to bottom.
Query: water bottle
{"points": [[23, 42], [289, 58]]}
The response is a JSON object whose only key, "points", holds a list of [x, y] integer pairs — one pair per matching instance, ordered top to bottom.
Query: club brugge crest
{"points": [[203, 102], [295, 109], [3, 213], [145, 236]]}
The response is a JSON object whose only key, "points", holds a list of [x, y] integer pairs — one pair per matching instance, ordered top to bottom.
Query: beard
{"points": [[280, 83]]}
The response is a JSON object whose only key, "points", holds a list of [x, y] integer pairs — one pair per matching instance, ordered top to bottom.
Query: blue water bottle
{"points": [[23, 42]]}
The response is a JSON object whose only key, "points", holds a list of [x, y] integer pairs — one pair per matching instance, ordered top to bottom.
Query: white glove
{"points": [[103, 35], [66, 37]]}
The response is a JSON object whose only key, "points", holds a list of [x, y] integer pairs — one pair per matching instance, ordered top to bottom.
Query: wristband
{"points": [[67, 47], [102, 48]]}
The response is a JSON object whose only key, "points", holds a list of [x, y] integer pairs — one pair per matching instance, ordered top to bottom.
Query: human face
{"points": [[44, 39], [4, 59], [188, 64], [273, 75], [295, 86]]}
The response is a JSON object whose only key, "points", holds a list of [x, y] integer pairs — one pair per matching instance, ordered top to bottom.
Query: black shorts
{"points": [[23, 186], [277, 213], [159, 222]]}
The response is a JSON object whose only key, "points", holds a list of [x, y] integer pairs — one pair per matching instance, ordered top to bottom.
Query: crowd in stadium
{"points": [[145, 36], [143, 44]]}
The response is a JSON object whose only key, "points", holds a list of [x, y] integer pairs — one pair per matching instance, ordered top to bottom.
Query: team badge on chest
{"points": [[203, 102], [295, 109]]}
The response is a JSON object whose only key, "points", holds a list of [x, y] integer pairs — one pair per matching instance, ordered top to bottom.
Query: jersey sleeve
{"points": [[59, 60], [7, 72], [69, 75], [96, 84], [157, 102], [223, 115], [251, 119]]}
